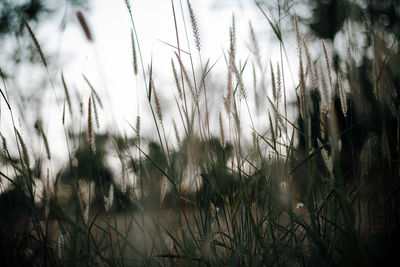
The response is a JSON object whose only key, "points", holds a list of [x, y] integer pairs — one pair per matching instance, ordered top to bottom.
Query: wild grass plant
{"points": [[322, 189]]}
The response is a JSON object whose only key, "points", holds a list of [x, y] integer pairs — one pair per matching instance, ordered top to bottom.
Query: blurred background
{"points": [[107, 61], [104, 62], [298, 85]]}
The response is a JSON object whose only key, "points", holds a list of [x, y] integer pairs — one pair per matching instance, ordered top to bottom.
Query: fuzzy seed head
{"points": [[84, 25], [195, 27], [232, 39], [35, 42], [309, 62], [135, 65], [328, 66], [186, 76], [239, 79], [177, 83], [278, 84], [302, 86], [324, 90], [274, 94], [342, 96], [228, 97], [68, 98], [157, 102], [96, 116], [38, 126], [137, 129], [89, 133], [222, 133], [5, 147], [24, 149], [326, 158], [164, 186]]}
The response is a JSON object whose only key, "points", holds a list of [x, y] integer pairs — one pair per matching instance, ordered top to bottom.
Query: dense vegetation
{"points": [[318, 190]]}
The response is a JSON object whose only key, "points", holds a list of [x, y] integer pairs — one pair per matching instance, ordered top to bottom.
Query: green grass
{"points": [[320, 190]]}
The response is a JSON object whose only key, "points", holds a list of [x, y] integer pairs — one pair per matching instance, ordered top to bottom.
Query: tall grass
{"points": [[322, 189]]}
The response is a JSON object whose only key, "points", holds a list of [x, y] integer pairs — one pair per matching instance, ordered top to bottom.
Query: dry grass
{"points": [[294, 193]]}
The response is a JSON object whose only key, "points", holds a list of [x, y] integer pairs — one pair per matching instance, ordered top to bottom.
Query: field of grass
{"points": [[318, 190]]}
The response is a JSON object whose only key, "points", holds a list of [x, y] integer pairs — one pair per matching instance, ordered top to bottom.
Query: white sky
{"points": [[108, 61]]}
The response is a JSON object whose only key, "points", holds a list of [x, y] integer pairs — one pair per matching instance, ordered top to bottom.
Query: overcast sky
{"points": [[107, 62]]}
